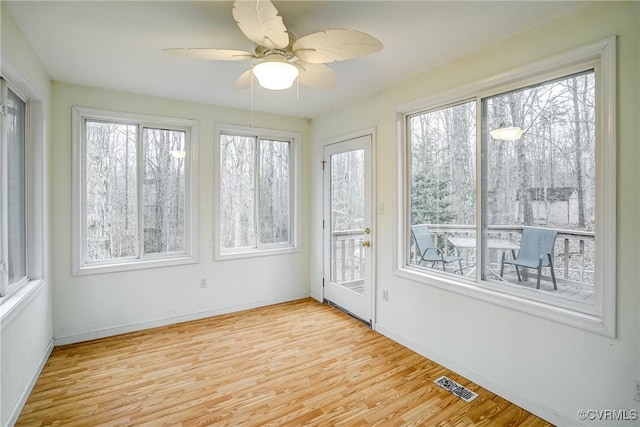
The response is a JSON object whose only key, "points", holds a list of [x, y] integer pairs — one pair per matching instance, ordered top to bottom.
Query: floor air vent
{"points": [[461, 391]]}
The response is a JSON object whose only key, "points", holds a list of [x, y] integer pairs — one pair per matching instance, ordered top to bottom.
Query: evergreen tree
{"points": [[431, 201]]}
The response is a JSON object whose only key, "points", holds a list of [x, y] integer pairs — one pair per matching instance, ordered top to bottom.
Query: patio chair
{"points": [[428, 251], [536, 251]]}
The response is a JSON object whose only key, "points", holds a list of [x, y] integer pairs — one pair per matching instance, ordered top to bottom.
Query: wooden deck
{"points": [[564, 291], [299, 363]]}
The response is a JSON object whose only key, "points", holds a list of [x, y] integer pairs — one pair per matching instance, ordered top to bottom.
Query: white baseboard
{"points": [[316, 297], [71, 339], [533, 407], [15, 413]]}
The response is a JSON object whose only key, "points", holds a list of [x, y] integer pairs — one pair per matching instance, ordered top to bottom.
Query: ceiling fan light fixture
{"points": [[285, 59], [275, 75], [512, 133]]}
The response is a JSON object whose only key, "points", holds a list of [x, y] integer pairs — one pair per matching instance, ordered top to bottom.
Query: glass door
{"points": [[348, 231]]}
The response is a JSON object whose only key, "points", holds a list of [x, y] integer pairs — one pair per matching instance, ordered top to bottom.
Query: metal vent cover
{"points": [[459, 390]]}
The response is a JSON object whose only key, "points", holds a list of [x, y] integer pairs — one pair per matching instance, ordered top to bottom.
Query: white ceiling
{"points": [[117, 44]]}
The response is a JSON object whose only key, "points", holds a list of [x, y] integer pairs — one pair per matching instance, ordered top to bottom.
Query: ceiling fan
{"points": [[282, 59]]}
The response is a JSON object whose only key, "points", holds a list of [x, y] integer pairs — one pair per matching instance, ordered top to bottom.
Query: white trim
{"points": [[37, 168], [35, 183], [606, 188], [4, 194], [294, 244], [80, 266], [15, 302], [599, 318], [133, 327], [535, 408]]}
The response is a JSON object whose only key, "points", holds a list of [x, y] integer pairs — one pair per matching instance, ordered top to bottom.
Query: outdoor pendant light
{"points": [[512, 133]]}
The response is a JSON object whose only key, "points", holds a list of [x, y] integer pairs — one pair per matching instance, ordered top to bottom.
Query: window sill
{"points": [[253, 253], [133, 265], [514, 300], [11, 304]]}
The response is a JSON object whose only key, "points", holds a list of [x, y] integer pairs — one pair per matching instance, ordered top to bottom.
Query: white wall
{"points": [[104, 304], [26, 335], [549, 368]]}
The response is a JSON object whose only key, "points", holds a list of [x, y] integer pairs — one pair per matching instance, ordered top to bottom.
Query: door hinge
{"points": [[3, 112], [323, 163], [323, 224], [2, 267], [323, 282]]}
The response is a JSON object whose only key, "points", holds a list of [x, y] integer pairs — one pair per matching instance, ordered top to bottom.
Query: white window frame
{"points": [[294, 177], [36, 195], [81, 266], [6, 289], [599, 318]]}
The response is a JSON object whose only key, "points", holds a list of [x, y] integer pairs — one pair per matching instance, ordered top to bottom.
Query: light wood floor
{"points": [[298, 363]]}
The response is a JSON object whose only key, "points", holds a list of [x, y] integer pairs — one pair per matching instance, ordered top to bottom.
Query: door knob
{"points": [[367, 230], [366, 244]]}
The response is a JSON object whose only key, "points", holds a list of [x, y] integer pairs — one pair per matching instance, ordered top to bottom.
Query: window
{"points": [[547, 177], [135, 181], [511, 190], [257, 191], [14, 268]]}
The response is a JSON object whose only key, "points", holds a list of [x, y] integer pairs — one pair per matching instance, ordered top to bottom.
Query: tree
{"points": [[430, 203]]}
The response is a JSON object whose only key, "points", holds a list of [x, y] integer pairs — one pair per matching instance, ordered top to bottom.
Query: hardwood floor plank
{"points": [[298, 363]]}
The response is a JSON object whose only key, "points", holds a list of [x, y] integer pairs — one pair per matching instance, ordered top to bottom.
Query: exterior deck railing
{"points": [[348, 256], [573, 257]]}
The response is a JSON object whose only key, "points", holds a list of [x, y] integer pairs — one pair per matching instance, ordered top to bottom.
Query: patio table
{"points": [[496, 244]]}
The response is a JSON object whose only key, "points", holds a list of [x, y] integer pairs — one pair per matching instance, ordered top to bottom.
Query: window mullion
{"points": [[292, 172], [140, 189], [256, 189], [480, 194]]}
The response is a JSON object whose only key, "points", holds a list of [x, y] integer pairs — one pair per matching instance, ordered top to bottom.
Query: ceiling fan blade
{"points": [[259, 21], [335, 45], [210, 53], [317, 76], [244, 81]]}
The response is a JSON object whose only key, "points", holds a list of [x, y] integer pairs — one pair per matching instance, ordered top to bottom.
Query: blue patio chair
{"points": [[428, 251], [536, 251]]}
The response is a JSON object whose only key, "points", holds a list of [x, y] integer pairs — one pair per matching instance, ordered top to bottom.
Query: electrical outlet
{"points": [[203, 283], [385, 295], [636, 390]]}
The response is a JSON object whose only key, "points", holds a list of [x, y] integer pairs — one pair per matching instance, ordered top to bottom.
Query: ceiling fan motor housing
{"points": [[274, 54]]}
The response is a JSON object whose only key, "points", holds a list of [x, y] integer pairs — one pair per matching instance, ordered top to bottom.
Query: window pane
{"points": [[443, 170], [545, 179], [111, 182], [164, 190], [347, 191], [237, 192], [275, 205], [16, 212], [347, 219]]}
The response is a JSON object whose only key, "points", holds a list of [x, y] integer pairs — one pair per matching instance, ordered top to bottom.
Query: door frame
{"points": [[370, 132]]}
